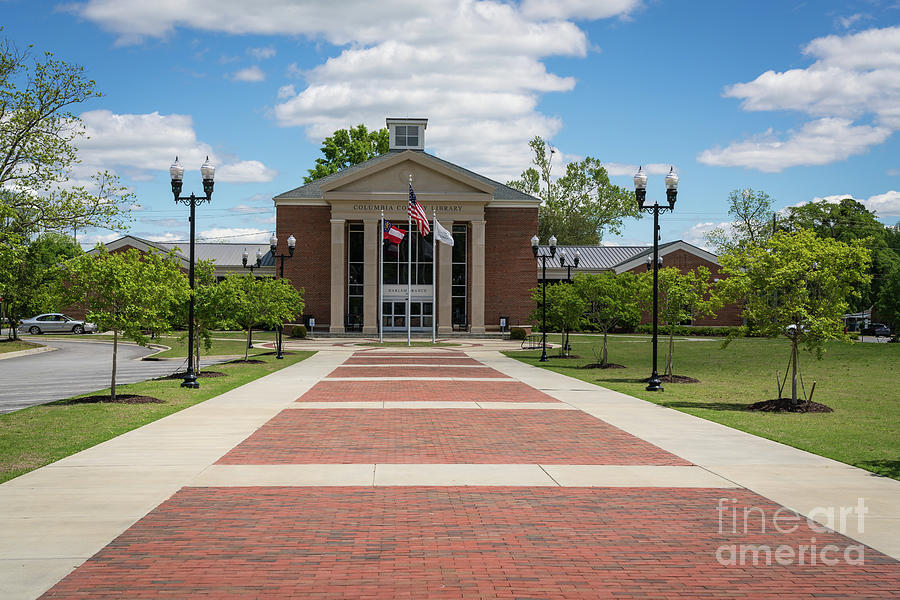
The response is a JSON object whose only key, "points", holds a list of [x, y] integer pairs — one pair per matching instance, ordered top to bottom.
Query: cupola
{"points": [[407, 134]]}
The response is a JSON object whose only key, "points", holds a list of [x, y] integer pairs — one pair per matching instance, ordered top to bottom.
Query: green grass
{"points": [[404, 344], [15, 346], [178, 347], [858, 381], [36, 436]]}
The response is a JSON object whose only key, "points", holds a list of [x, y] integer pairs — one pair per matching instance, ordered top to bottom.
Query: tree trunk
{"points": [[247, 347], [605, 358], [669, 361], [794, 371], [112, 384]]}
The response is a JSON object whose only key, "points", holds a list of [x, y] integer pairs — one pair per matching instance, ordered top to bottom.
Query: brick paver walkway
{"points": [[415, 541]]}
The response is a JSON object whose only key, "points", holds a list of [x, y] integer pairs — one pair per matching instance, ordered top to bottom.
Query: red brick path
{"points": [[410, 360], [458, 372], [477, 391], [443, 436], [426, 542]]}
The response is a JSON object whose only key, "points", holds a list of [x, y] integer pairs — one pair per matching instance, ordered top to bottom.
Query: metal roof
{"points": [[312, 190], [222, 254]]}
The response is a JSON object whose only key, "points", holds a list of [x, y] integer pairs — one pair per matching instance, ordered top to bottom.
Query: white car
{"points": [[55, 323]]}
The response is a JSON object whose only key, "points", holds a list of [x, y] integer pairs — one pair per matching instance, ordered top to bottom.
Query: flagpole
{"points": [[409, 273], [433, 277], [381, 282]]}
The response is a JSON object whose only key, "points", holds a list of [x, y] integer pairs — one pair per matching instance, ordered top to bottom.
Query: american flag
{"points": [[417, 213]]}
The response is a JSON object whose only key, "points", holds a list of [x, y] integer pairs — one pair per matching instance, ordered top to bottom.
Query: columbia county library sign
{"points": [[487, 274]]}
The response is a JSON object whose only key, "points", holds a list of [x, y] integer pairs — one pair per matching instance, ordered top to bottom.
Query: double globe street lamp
{"points": [[176, 173], [640, 193], [273, 248], [543, 255]]}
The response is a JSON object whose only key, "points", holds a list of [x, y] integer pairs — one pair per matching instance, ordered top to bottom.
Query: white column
{"points": [[338, 276], [370, 276], [477, 276]]}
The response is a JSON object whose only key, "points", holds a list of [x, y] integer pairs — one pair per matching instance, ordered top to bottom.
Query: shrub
{"points": [[691, 330], [298, 331], [517, 333]]}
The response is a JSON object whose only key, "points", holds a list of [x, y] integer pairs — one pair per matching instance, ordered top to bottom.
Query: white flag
{"points": [[441, 234]]}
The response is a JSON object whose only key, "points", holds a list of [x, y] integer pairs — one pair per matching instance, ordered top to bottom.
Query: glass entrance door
{"points": [[394, 315]]}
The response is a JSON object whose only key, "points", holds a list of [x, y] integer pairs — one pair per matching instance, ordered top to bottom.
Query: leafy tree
{"points": [[348, 147], [37, 151], [580, 206], [751, 221], [847, 221], [813, 279], [31, 282], [127, 292], [682, 296], [612, 301], [888, 305], [565, 307]]}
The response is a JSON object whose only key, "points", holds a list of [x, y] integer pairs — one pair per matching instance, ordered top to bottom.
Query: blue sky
{"points": [[796, 98]]}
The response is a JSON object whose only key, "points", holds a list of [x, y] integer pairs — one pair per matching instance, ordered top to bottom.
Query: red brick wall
{"points": [[310, 268], [510, 271], [729, 315]]}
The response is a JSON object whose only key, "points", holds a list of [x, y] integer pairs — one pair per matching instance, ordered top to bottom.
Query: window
{"points": [[406, 135], [396, 267], [355, 270], [458, 276]]}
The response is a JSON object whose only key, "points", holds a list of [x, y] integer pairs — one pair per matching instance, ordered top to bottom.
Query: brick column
{"points": [[337, 276], [370, 276], [478, 276], [444, 307]]}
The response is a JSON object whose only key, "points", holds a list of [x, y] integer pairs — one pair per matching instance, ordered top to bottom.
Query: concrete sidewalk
{"points": [[488, 440]]}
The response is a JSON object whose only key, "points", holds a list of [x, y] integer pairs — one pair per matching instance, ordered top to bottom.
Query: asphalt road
{"points": [[77, 367]]}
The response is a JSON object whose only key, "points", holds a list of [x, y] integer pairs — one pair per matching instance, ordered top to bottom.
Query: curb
{"points": [[19, 353]]}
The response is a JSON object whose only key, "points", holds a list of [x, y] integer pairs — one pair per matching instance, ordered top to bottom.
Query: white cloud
{"points": [[579, 9], [847, 22], [261, 53], [473, 67], [251, 74], [852, 89], [286, 91], [818, 142], [141, 144], [630, 169], [884, 205], [234, 234], [696, 235], [91, 238]]}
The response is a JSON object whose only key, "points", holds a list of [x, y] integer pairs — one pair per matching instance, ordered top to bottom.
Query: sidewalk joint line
{"points": [[550, 476]]}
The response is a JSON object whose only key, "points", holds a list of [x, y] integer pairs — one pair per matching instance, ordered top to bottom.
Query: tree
{"points": [[348, 147], [37, 151], [579, 207], [751, 221], [846, 221], [813, 279], [31, 282], [127, 293], [612, 301], [888, 305], [565, 307], [209, 308]]}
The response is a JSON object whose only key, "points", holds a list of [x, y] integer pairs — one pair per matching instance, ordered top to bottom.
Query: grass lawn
{"points": [[404, 344], [15, 345], [178, 346], [858, 381], [36, 436]]}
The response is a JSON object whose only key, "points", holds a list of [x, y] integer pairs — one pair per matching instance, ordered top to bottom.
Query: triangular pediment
{"points": [[392, 176]]}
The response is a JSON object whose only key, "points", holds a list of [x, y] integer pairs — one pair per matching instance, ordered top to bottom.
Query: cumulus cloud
{"points": [[261, 53], [473, 67], [251, 74], [852, 89], [818, 142], [141, 144], [631, 169], [884, 205], [234, 234], [696, 235]]}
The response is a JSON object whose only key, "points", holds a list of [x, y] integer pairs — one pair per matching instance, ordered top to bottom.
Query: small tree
{"points": [[751, 213], [813, 280], [127, 293], [682, 296], [611, 300], [248, 301], [280, 301], [565, 308]]}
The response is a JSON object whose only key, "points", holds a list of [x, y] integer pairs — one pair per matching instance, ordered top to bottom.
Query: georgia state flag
{"points": [[393, 233]]}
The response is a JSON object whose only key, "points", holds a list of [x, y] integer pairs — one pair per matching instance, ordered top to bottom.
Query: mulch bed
{"points": [[250, 361], [602, 366], [199, 375], [678, 379], [120, 399], [784, 405]]}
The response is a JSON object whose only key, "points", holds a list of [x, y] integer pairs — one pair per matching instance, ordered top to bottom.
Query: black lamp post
{"points": [[176, 172], [640, 192], [273, 248], [536, 249], [244, 256], [568, 265]]}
